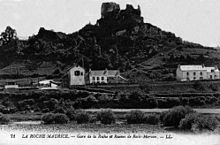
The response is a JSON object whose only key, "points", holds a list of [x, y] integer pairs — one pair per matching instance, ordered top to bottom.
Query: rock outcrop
{"points": [[109, 7]]}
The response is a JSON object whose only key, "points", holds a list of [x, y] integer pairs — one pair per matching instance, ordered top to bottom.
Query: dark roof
{"points": [[109, 73]]}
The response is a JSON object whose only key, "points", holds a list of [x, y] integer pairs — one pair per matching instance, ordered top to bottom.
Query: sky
{"points": [[193, 20]]}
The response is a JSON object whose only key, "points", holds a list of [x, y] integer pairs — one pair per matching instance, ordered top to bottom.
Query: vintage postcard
{"points": [[109, 72]]}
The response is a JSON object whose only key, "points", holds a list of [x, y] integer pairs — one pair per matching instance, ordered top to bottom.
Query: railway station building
{"points": [[196, 72]]}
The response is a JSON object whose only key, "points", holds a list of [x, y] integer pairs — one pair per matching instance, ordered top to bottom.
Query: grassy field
{"points": [[91, 127]]}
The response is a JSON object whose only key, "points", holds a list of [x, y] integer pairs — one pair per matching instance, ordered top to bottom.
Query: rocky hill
{"points": [[120, 39]]}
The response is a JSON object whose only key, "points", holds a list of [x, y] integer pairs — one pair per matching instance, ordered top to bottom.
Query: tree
{"points": [[8, 35]]}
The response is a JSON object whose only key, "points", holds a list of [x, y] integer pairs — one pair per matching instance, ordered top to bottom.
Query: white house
{"points": [[196, 72], [76, 76], [105, 76], [48, 84], [11, 85]]}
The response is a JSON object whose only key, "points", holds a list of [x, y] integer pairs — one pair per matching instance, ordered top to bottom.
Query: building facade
{"points": [[196, 72], [77, 76], [105, 76], [48, 84]]}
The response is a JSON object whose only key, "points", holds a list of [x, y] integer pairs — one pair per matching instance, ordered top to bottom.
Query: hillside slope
{"points": [[120, 39]]}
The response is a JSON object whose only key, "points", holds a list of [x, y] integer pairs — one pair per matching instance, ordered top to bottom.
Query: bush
{"points": [[199, 86], [213, 87], [197, 101], [171, 102], [151, 103], [3, 109], [59, 109], [71, 113], [162, 115], [174, 115], [82, 117], [106, 117], [135, 117], [48, 118], [58, 118], [4, 119], [152, 119], [187, 122], [196, 122], [205, 123]]}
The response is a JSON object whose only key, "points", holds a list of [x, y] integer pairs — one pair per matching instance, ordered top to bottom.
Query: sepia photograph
{"points": [[109, 72]]}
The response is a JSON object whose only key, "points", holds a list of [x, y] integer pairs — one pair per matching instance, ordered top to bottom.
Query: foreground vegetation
{"points": [[63, 100], [179, 118]]}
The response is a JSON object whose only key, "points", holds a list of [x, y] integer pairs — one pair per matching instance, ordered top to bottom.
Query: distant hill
{"points": [[120, 39]]}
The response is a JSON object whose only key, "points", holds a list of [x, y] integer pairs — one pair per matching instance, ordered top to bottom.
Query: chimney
{"points": [[106, 71]]}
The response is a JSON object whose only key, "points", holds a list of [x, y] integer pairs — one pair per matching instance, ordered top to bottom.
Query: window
{"points": [[212, 70], [77, 73], [81, 73], [187, 73], [194, 73], [201, 73], [210, 77], [93, 78], [97, 78], [102, 78], [194, 78], [201, 78], [11, 83]]}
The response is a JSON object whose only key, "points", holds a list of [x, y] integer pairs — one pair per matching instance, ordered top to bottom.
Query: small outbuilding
{"points": [[75, 76], [48, 84]]}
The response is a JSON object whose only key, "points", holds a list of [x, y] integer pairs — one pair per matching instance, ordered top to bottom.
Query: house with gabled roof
{"points": [[105, 76]]}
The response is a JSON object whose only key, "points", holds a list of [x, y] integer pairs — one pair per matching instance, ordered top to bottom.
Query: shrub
{"points": [[199, 86], [145, 87], [213, 87], [135, 97], [211, 100], [197, 101], [86, 102], [171, 102], [151, 103], [50, 104], [3, 109], [59, 109], [71, 113], [162, 115], [174, 115], [82, 117], [106, 117], [135, 117], [48, 118], [58, 118], [4, 119], [152, 119], [187, 122], [196, 122], [205, 123]]}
